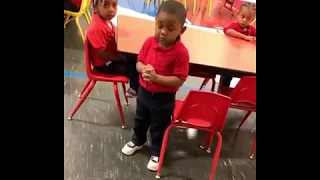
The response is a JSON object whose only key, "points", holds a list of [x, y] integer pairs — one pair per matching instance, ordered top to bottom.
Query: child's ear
{"points": [[183, 30]]}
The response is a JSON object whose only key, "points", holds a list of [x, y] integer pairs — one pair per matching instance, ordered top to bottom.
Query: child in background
{"points": [[241, 29], [101, 35], [163, 63]]}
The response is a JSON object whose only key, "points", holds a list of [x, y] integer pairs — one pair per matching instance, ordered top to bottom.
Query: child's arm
{"points": [[230, 30], [234, 33], [98, 40], [143, 54], [140, 66], [180, 72]]}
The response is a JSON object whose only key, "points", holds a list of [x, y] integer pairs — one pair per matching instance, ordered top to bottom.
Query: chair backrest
{"points": [[85, 4], [88, 4], [88, 57], [245, 91], [207, 106]]}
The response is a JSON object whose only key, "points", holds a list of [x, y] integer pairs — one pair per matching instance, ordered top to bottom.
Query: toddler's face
{"points": [[107, 9], [245, 16], [167, 28]]}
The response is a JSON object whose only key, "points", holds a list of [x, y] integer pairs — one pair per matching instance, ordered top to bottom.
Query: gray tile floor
{"points": [[93, 140]]}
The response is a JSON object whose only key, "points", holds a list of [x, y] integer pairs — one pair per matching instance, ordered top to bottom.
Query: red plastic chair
{"points": [[228, 4], [93, 77], [243, 97], [203, 111], [253, 150]]}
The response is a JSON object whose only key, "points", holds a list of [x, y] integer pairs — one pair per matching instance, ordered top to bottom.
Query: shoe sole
{"points": [[130, 95], [133, 152], [152, 170]]}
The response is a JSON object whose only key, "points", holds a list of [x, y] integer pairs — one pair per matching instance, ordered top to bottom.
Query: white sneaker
{"points": [[130, 148], [153, 163]]}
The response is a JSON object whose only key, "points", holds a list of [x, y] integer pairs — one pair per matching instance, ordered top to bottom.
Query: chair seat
{"points": [[108, 77], [243, 106], [192, 121], [198, 123]]}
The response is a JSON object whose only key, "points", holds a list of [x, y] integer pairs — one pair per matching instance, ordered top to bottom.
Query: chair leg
{"points": [[148, 3], [194, 7], [210, 8], [89, 14], [86, 16], [66, 20], [253, 21], [80, 29], [204, 82], [213, 83], [84, 88], [124, 92], [116, 94], [81, 100], [244, 119], [207, 142], [210, 142], [163, 149], [253, 150], [216, 155]]}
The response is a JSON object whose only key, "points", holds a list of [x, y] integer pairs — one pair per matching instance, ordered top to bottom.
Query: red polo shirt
{"points": [[76, 2], [248, 31], [101, 35], [173, 61]]}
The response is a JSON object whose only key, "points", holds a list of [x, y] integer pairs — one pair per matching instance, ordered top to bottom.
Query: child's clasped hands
{"points": [[149, 74]]}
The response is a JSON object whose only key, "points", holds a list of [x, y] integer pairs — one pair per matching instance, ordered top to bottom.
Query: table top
{"points": [[206, 46]]}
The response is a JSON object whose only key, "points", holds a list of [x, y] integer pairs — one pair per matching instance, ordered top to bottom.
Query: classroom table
{"points": [[250, 1], [208, 49]]}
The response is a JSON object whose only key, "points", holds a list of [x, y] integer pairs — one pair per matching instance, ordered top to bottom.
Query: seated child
{"points": [[241, 29], [106, 58], [163, 64]]}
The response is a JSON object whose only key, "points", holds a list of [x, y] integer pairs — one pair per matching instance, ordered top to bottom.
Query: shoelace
{"points": [[131, 144], [155, 159]]}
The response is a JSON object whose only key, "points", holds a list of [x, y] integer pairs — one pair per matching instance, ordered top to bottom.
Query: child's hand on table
{"points": [[250, 38]]}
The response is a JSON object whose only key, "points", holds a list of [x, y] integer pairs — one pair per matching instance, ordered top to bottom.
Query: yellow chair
{"points": [[185, 2], [208, 4], [84, 9], [87, 11], [253, 21]]}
